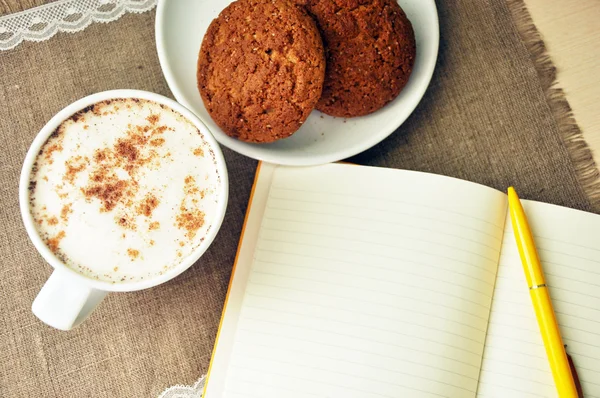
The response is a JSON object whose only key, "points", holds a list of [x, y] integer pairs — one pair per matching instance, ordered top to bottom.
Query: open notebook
{"points": [[355, 281]]}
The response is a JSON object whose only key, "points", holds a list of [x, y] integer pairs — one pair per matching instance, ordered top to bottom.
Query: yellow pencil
{"points": [[540, 297]]}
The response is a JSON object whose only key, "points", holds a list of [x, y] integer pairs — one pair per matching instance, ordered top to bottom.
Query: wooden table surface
{"points": [[571, 31]]}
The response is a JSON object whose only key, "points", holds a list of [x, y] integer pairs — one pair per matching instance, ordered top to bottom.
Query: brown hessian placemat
{"points": [[490, 115]]}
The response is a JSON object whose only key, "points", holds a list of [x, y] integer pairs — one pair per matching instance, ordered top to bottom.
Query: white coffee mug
{"points": [[68, 297]]}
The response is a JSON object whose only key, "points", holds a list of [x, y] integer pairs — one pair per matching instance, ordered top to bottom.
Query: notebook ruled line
{"points": [[387, 211], [329, 214], [463, 215], [412, 227], [541, 239], [381, 244], [356, 251], [548, 252], [417, 263], [570, 267], [553, 275], [566, 278], [387, 281], [349, 286], [550, 286], [562, 288], [381, 292], [562, 300], [558, 301], [512, 302], [363, 313], [511, 314], [577, 317], [524, 329], [392, 331], [349, 335], [511, 338], [566, 338], [514, 339], [569, 339], [420, 352], [579, 354], [316, 356], [542, 357], [513, 364], [379, 367], [579, 367], [512, 375], [356, 376], [257, 382], [316, 382], [324, 383], [481, 383], [591, 383], [231, 393], [244, 394], [484, 395]]}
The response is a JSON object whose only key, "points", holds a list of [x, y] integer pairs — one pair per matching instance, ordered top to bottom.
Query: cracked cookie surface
{"points": [[370, 51], [261, 68]]}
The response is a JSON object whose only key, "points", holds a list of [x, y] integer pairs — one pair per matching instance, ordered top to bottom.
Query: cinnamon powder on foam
{"points": [[106, 186]]}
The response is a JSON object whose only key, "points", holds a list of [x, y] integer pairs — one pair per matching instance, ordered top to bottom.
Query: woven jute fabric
{"points": [[490, 115]]}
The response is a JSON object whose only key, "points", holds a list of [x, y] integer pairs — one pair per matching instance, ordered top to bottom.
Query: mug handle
{"points": [[64, 302]]}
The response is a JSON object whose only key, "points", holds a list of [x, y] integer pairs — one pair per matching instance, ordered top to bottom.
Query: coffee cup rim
{"points": [[52, 125]]}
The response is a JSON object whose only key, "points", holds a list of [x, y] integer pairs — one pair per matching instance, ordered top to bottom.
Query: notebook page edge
{"points": [[217, 369]]}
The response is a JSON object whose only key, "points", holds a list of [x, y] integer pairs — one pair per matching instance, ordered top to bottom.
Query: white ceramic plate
{"points": [[180, 27]]}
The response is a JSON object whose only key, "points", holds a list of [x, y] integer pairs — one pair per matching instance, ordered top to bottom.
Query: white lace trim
{"points": [[41, 23], [178, 391]]}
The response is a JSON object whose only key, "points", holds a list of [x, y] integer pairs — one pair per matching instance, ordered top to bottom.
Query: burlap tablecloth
{"points": [[489, 116]]}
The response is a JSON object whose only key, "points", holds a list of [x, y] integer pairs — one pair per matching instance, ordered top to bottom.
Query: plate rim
{"points": [[247, 150]]}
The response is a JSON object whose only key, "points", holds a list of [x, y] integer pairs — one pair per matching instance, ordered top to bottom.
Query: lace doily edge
{"points": [[56, 26], [181, 391]]}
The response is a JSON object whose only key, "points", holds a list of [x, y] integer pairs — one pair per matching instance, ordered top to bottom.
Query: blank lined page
{"points": [[367, 282], [515, 362]]}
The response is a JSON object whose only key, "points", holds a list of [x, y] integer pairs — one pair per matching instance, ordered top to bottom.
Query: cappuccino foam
{"points": [[124, 190]]}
